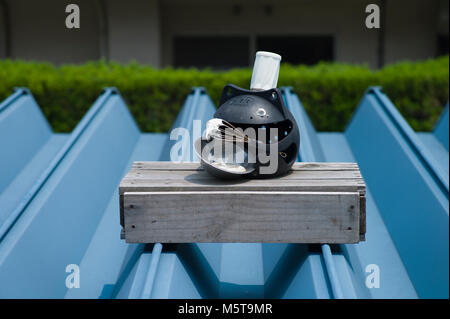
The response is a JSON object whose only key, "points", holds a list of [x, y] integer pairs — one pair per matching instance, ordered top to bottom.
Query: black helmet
{"points": [[260, 111], [252, 133]]}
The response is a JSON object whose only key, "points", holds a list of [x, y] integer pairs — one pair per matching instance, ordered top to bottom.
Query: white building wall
{"points": [[411, 29], [144, 30], [38, 31], [134, 32], [3, 40]]}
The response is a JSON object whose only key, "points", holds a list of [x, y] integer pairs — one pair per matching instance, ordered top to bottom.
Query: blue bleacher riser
{"points": [[199, 108], [23, 129], [441, 129], [23, 132], [311, 151], [409, 187], [65, 210], [59, 219], [117, 257], [208, 259], [109, 261], [347, 268], [141, 282]]}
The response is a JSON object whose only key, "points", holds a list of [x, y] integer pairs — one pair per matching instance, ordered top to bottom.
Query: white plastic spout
{"points": [[265, 71]]}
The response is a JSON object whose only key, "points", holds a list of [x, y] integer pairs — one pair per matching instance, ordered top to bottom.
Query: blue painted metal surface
{"points": [[18, 116], [21, 117], [441, 129], [310, 151], [410, 190], [59, 206]]}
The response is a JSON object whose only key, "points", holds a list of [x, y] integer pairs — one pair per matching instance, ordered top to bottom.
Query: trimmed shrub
{"points": [[330, 92]]}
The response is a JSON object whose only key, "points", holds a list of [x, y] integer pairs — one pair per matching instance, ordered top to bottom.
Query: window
{"points": [[442, 44], [299, 49], [215, 52]]}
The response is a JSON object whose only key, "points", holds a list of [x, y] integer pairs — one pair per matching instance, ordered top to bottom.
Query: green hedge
{"points": [[329, 91]]}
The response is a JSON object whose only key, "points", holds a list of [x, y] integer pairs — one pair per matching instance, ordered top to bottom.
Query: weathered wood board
{"points": [[179, 202]]}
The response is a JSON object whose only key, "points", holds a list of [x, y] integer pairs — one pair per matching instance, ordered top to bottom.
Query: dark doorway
{"points": [[442, 44], [299, 49], [214, 52]]}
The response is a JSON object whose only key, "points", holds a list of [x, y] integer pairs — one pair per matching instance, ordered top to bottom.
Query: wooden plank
{"points": [[165, 166], [177, 174], [305, 177], [187, 183], [291, 186], [185, 197], [235, 216]]}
